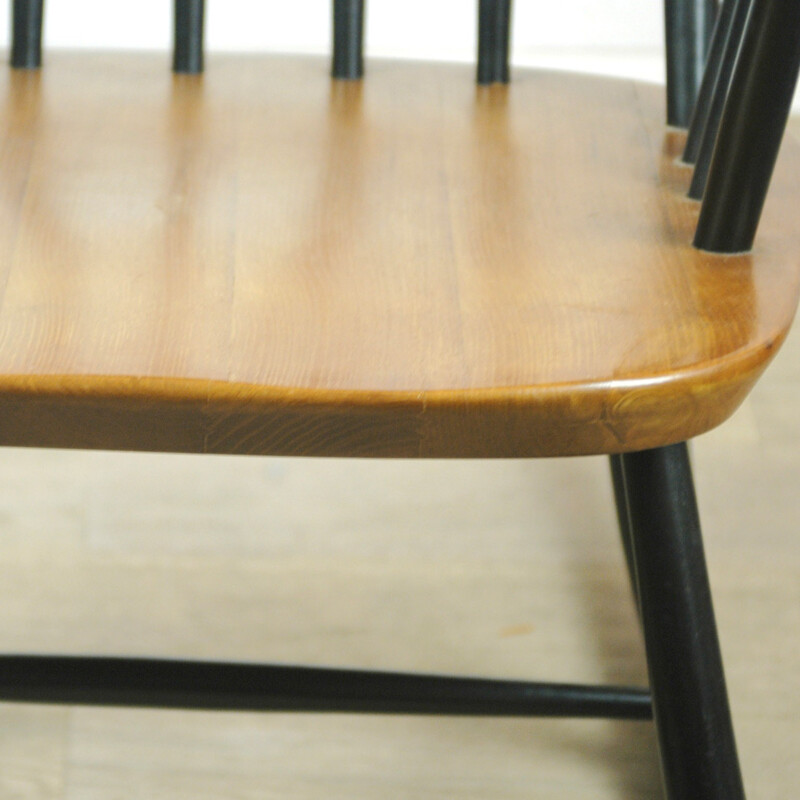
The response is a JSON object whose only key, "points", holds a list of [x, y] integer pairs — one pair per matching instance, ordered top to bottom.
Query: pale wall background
{"points": [[616, 36]]}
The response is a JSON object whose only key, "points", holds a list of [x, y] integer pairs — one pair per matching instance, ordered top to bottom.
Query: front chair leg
{"points": [[690, 701]]}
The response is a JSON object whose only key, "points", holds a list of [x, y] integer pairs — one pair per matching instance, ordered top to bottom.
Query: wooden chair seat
{"points": [[262, 260]]}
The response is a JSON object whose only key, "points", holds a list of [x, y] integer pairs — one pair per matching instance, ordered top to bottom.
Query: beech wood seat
{"points": [[263, 260]]}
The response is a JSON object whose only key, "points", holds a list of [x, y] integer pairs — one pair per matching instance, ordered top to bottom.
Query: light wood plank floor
{"points": [[511, 568]]}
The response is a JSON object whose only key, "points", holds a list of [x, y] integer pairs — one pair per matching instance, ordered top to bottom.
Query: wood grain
{"points": [[264, 261]]}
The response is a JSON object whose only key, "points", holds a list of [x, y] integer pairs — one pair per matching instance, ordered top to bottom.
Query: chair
{"points": [[261, 260]]}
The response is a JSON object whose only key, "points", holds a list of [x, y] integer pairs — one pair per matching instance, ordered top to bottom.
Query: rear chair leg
{"points": [[621, 503], [690, 702]]}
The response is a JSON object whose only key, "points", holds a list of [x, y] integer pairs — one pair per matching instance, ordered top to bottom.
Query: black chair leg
{"points": [[621, 503], [690, 702]]}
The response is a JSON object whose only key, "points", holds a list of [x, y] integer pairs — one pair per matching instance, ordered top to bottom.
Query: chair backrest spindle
{"points": [[688, 25], [494, 33], [26, 35], [348, 39], [188, 45], [717, 51], [722, 85], [752, 127]]}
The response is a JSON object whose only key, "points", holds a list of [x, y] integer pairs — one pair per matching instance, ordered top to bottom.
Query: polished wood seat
{"points": [[263, 260]]}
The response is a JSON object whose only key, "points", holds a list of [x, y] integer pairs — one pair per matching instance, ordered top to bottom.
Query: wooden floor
{"points": [[511, 568]]}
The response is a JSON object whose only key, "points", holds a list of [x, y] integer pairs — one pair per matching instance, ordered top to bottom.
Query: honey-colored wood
{"points": [[261, 260]]}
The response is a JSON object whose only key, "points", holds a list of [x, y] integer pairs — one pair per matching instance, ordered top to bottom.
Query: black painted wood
{"points": [[688, 26], [26, 33], [494, 33], [348, 39], [188, 45], [702, 107], [751, 128], [708, 137], [623, 520], [255, 687], [690, 702]]}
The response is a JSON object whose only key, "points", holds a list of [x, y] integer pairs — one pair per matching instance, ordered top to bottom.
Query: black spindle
{"points": [[688, 28], [494, 32], [26, 36], [348, 39], [188, 52], [716, 52], [752, 127], [708, 137]]}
